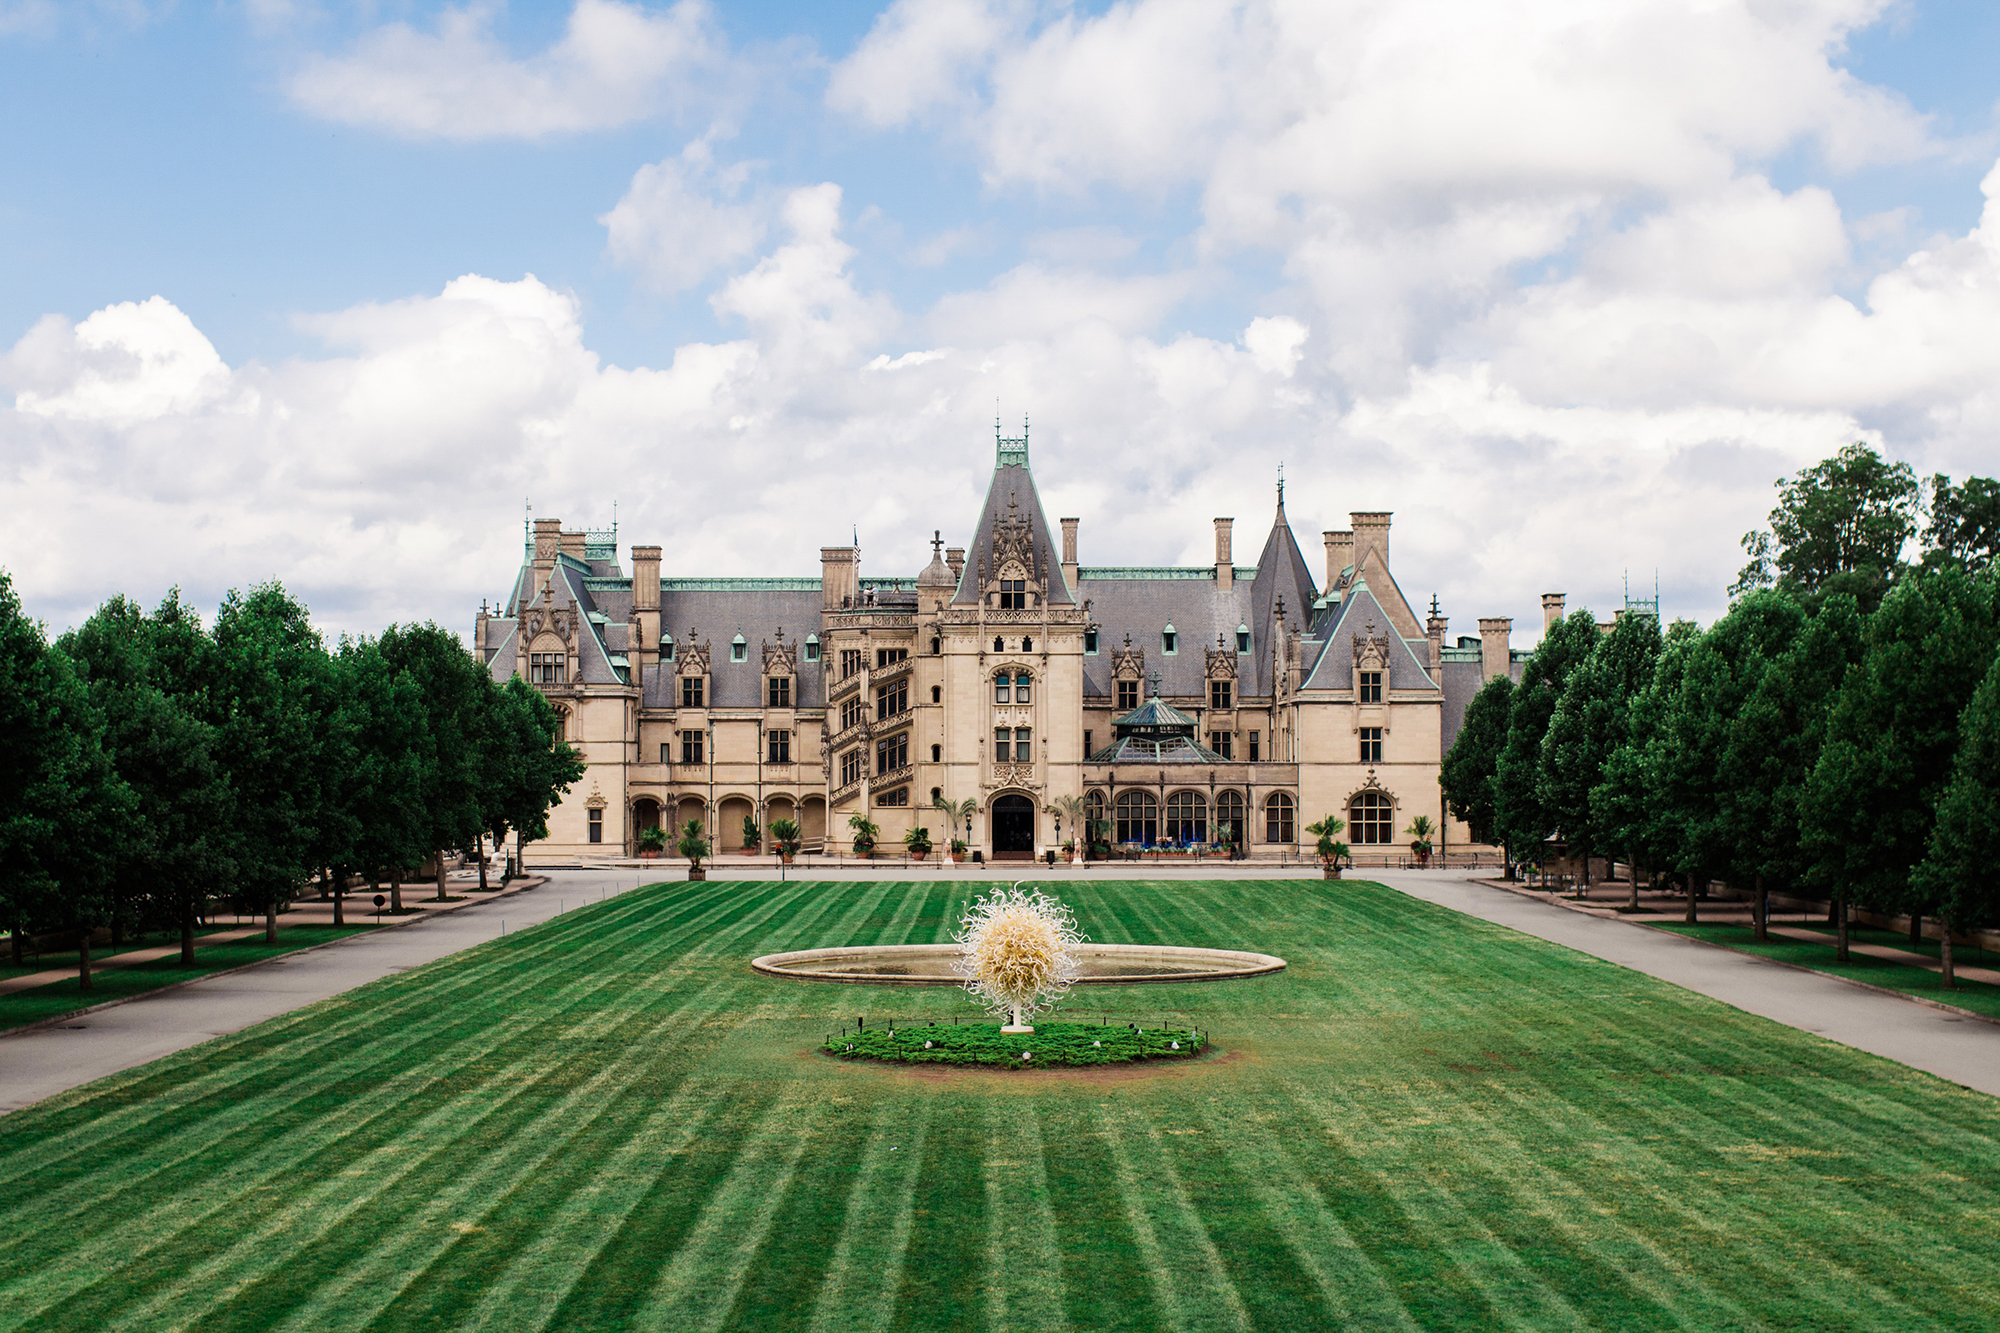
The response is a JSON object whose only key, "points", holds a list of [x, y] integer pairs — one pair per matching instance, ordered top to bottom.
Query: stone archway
{"points": [[729, 819], [1011, 819], [812, 821]]}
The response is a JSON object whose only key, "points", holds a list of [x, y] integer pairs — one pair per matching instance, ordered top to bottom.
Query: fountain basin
{"points": [[931, 965]]}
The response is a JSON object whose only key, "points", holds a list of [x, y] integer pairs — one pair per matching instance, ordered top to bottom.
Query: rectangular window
{"points": [[1013, 594], [1169, 641], [1243, 641], [1090, 642], [812, 649], [667, 651], [739, 652], [887, 657], [850, 662], [548, 668], [1371, 687], [1021, 688], [690, 691], [1003, 692], [1219, 692], [780, 693], [1128, 695], [892, 699], [850, 713], [1223, 743], [1086, 744], [1003, 745], [1371, 745], [780, 746], [691, 747], [1253, 747], [1024, 750], [666, 752], [893, 753], [850, 766], [900, 796], [597, 826]]}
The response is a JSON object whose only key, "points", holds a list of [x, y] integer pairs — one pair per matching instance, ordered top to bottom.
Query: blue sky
{"points": [[1566, 285]]}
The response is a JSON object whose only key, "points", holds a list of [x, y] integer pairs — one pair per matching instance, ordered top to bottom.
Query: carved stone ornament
{"points": [[1371, 651], [694, 656], [781, 658], [1221, 661], [1128, 663], [1012, 775], [596, 801]]}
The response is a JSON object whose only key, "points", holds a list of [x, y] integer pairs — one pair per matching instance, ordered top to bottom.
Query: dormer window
{"points": [[1013, 594], [1242, 638], [1169, 639], [1090, 643], [666, 647], [812, 647], [739, 651], [548, 668], [1369, 690], [691, 691], [780, 692], [1128, 695]]}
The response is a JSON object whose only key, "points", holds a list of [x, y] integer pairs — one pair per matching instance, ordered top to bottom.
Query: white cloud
{"points": [[921, 55], [615, 63], [676, 224], [801, 299], [1275, 343], [131, 360]]}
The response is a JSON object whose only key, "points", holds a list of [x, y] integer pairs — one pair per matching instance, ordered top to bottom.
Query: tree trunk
{"points": [[482, 863], [1632, 869], [440, 870], [1584, 880], [395, 890], [339, 894], [1760, 911], [1690, 917], [117, 920], [271, 921], [1916, 928], [1840, 931], [187, 937], [20, 958], [83, 959], [1949, 977]]}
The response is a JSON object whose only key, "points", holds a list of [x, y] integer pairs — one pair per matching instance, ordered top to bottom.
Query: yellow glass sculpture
{"points": [[1017, 953]]}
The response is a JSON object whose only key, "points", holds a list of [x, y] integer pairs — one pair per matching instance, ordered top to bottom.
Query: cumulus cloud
{"points": [[615, 63], [679, 220]]}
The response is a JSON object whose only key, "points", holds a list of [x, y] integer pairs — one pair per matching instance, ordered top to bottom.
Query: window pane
{"points": [[1021, 689]]}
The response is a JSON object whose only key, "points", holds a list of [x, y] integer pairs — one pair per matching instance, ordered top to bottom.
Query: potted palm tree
{"points": [[1070, 807], [956, 813], [1420, 831], [865, 834], [751, 836], [785, 838], [918, 840], [652, 842], [694, 847], [957, 850], [1331, 851]]}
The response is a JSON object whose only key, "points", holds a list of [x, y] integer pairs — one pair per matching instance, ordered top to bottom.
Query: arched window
{"points": [[999, 644], [1027, 645], [937, 647], [937, 694], [937, 753], [1093, 808], [1229, 811], [1138, 817], [1187, 817], [1371, 818], [1278, 825]]}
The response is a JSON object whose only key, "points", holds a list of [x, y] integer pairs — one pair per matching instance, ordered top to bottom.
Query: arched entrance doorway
{"points": [[1013, 821]]}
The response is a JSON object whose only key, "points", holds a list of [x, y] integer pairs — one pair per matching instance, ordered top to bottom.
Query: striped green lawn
{"points": [[609, 1122]]}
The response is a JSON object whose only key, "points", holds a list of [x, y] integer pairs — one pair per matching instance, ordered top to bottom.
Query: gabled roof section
{"points": [[1012, 520], [1281, 572], [1362, 616]]}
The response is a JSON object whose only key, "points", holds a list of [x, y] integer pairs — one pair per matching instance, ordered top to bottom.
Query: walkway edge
{"points": [[1813, 971], [55, 1020]]}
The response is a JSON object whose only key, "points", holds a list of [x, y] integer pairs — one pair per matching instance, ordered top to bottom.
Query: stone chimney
{"points": [[548, 534], [1371, 539], [572, 545], [1069, 552], [1339, 554], [1225, 555], [954, 559], [839, 577], [646, 603], [1552, 610], [1434, 629], [1495, 653]]}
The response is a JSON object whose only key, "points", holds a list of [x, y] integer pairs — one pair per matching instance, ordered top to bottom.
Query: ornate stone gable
{"points": [[1014, 542], [559, 621], [1371, 651], [693, 655], [781, 658], [1220, 661], [1127, 662]]}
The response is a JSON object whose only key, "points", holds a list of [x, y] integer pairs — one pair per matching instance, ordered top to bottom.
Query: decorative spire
{"points": [[1281, 490]]}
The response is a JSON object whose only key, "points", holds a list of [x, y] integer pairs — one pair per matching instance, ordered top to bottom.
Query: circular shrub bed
{"points": [[1050, 1045]]}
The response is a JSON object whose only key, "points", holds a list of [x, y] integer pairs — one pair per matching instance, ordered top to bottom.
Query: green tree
{"points": [[1965, 523], [1840, 526], [153, 679], [453, 688], [382, 712], [1589, 723], [1892, 737], [1774, 745], [529, 767], [1469, 769], [61, 803], [1624, 803], [1521, 819], [1959, 876]]}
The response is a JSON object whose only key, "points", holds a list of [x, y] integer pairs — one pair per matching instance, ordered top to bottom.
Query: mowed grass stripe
{"points": [[944, 1260], [864, 1274], [1025, 1280], [1108, 1281], [1191, 1286]]}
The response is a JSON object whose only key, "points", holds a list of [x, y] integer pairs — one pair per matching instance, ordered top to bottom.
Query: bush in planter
{"points": [[1420, 831], [865, 833], [751, 834], [785, 837], [652, 839], [918, 840], [694, 847], [958, 849], [1331, 851]]}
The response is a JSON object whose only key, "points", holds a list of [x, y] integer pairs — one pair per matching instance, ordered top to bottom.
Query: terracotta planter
{"points": [[649, 853], [864, 853], [916, 855], [787, 857], [957, 858], [1332, 872], [697, 874]]}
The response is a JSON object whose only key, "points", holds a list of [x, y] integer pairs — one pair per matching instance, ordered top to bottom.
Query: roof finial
{"points": [[1281, 487], [937, 543], [1154, 679]]}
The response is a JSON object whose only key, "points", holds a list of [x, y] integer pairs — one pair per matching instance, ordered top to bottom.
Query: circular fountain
{"points": [[933, 964]]}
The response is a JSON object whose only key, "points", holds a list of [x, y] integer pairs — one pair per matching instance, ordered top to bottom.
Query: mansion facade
{"points": [[1217, 703]]}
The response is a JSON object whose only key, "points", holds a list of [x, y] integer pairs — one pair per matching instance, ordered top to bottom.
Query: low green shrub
{"points": [[1049, 1045]]}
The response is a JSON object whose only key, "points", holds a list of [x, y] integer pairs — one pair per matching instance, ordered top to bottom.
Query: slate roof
{"points": [[1012, 490], [1333, 670]]}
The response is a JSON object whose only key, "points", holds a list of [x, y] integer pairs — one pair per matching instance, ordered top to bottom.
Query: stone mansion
{"points": [[1216, 703]]}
